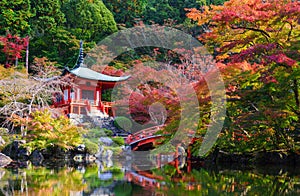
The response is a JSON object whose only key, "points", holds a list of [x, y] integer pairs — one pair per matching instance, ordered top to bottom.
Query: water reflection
{"points": [[121, 178]]}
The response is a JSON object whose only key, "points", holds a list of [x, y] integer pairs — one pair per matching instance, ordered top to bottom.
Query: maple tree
{"points": [[256, 45], [12, 47], [142, 90], [20, 95], [45, 131]]}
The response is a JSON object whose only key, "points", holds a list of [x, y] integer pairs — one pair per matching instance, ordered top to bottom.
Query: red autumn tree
{"points": [[253, 30], [256, 44], [13, 47]]}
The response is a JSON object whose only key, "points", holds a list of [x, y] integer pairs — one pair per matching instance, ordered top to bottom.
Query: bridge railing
{"points": [[143, 133]]}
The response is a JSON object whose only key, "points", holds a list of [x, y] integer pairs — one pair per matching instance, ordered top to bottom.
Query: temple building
{"points": [[86, 97]]}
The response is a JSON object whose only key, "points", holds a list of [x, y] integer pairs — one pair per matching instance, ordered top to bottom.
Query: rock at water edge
{"points": [[4, 160]]}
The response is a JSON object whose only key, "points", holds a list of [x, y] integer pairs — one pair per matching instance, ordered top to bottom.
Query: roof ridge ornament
{"points": [[80, 60]]}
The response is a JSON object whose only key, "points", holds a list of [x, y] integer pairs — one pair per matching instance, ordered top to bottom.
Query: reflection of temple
{"points": [[86, 96], [149, 180]]}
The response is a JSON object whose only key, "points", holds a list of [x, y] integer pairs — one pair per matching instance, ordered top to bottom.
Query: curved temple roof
{"points": [[80, 70], [84, 72]]}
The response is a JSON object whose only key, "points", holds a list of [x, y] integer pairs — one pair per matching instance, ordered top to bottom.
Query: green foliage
{"points": [[160, 11], [129, 16], [14, 17], [89, 20], [63, 48], [106, 95], [123, 123], [45, 131], [107, 132], [94, 134], [118, 140], [91, 147]]}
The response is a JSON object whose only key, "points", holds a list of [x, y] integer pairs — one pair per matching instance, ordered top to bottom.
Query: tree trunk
{"points": [[27, 55], [16, 61], [296, 93]]}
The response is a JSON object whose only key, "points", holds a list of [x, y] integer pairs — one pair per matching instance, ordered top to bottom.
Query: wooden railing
{"points": [[107, 103], [103, 106], [143, 133]]}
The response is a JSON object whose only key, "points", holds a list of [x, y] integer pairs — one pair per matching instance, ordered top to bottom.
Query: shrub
{"points": [[123, 123], [44, 131], [108, 132], [96, 133], [118, 140], [91, 147]]}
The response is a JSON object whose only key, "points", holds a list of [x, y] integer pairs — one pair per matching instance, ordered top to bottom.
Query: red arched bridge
{"points": [[145, 139]]}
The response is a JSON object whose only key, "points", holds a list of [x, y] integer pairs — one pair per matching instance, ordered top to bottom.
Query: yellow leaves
{"points": [[201, 17], [46, 131]]}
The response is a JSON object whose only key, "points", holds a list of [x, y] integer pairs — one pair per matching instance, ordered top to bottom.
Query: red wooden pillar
{"points": [[69, 94], [70, 101]]}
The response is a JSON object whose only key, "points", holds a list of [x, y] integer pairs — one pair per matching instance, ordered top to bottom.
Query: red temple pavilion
{"points": [[86, 97]]}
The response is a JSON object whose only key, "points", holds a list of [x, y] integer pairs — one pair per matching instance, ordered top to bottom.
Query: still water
{"points": [[119, 179]]}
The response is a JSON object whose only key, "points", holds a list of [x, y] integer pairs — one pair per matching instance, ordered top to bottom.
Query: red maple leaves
{"points": [[13, 47]]}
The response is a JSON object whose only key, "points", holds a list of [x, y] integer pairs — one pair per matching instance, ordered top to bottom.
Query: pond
{"points": [[119, 178]]}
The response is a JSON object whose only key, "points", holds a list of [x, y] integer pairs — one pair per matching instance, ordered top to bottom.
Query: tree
{"points": [[162, 11], [129, 16], [14, 17], [47, 17], [89, 20], [49, 37], [255, 43], [60, 46], [12, 47], [21, 95], [45, 131]]}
